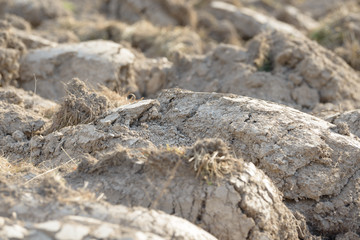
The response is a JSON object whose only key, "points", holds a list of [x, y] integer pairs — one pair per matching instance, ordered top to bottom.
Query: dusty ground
{"points": [[180, 119]]}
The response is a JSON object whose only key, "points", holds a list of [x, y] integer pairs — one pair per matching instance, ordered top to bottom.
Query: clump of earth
{"points": [[166, 119]]}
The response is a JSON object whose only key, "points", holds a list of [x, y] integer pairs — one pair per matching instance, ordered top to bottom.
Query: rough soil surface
{"points": [[35, 12], [11, 48], [49, 67], [274, 67], [174, 119], [349, 120], [50, 210]]}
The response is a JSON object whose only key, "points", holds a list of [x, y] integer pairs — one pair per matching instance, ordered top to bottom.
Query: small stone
{"points": [[108, 120], [19, 136], [83, 220], [2, 221], [49, 226], [14, 231], [104, 231], [72, 232]]}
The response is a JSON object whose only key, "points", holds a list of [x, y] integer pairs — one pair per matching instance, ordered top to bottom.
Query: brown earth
{"points": [[179, 119]]}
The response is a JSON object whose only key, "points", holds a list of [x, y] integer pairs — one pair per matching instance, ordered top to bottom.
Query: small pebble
{"points": [[72, 232]]}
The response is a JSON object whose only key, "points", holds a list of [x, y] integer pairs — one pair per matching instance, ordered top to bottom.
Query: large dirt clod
{"points": [[35, 12], [159, 12], [295, 17], [17, 22], [248, 22], [97, 62], [276, 67], [320, 69], [27, 100], [13, 119], [193, 119], [17, 125], [302, 154], [306, 158], [244, 204], [49, 209]]}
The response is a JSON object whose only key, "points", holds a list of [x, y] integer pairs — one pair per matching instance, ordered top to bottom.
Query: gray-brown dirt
{"points": [[179, 119]]}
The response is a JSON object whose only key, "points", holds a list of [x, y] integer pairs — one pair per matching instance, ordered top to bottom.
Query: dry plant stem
{"points": [[100, 196]]}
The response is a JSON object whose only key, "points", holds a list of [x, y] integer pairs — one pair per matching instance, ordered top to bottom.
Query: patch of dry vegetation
{"points": [[82, 105], [211, 159], [5, 166], [10, 169], [17, 173], [47, 183]]}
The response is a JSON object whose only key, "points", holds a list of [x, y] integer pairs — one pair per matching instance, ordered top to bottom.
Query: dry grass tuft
{"points": [[83, 105], [80, 106], [211, 159], [5, 166], [9, 169], [17, 173], [49, 184]]}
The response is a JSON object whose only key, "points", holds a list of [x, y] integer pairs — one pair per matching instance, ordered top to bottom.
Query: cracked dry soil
{"points": [[179, 119]]}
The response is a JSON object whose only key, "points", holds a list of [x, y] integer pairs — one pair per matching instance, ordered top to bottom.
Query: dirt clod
{"points": [[11, 49], [81, 106], [179, 119]]}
